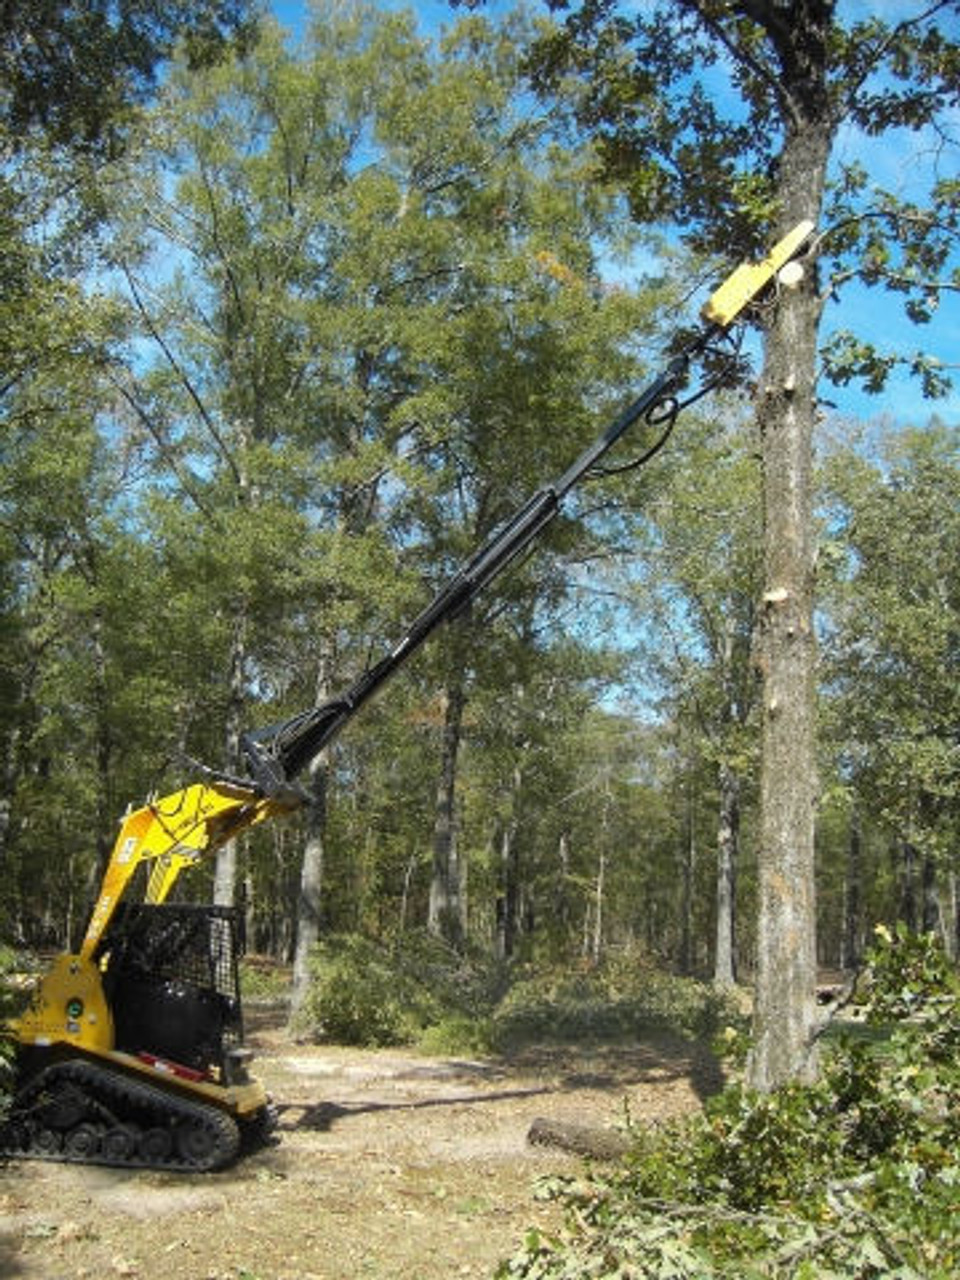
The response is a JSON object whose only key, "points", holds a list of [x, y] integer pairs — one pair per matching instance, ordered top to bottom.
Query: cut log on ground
{"points": [[581, 1140]]}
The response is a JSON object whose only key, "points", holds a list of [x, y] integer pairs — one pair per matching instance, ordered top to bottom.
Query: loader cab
{"points": [[170, 975]]}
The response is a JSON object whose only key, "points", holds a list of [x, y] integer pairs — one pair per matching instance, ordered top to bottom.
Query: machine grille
{"points": [[172, 976]]}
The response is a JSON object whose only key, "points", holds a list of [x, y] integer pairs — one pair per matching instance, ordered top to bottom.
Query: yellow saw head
{"points": [[751, 278]]}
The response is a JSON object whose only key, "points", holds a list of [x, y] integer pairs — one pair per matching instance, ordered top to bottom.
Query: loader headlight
{"points": [[74, 1007]]}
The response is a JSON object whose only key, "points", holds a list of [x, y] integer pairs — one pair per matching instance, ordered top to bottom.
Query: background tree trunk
{"points": [[905, 860], [688, 867], [225, 873], [310, 896], [931, 898], [508, 903], [445, 912], [852, 940], [724, 964]]}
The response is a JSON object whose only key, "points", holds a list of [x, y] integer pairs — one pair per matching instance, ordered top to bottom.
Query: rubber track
{"points": [[130, 1102]]}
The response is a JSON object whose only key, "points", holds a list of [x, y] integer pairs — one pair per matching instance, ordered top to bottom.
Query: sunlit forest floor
{"points": [[388, 1164]]}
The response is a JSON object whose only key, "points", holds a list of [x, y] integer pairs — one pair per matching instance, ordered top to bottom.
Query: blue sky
{"points": [[900, 163]]}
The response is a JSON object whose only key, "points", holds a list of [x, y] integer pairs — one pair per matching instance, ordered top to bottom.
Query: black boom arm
{"points": [[276, 755]]}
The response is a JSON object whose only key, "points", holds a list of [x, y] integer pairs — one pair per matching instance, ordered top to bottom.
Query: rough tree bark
{"points": [[688, 869], [905, 870], [310, 895], [508, 900], [930, 916], [852, 938], [785, 1011], [580, 1139]]}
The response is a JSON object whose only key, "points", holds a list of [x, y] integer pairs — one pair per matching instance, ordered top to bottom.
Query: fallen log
{"points": [[579, 1139]]}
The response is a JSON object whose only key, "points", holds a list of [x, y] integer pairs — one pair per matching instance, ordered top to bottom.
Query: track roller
{"points": [[85, 1113]]}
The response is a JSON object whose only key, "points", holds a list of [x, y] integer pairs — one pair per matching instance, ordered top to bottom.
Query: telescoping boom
{"points": [[276, 755], [177, 830]]}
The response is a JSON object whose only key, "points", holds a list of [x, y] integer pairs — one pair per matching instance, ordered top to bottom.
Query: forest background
{"points": [[281, 348]]}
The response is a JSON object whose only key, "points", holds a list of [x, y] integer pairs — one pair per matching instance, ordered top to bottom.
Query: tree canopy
{"points": [[72, 72]]}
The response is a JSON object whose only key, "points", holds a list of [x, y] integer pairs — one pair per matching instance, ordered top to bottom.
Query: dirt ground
{"points": [[387, 1165]]}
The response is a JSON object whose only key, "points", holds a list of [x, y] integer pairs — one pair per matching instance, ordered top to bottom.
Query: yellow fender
{"points": [[69, 1006]]}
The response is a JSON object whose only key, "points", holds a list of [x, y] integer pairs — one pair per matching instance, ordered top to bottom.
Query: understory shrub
{"points": [[17, 972], [263, 980], [415, 989], [375, 992], [621, 999], [458, 1035], [855, 1177]]}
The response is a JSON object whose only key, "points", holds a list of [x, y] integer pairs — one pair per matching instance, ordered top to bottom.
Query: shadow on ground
{"points": [[534, 1071]]}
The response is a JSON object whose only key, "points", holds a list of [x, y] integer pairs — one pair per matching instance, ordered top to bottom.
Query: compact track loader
{"points": [[131, 1053]]}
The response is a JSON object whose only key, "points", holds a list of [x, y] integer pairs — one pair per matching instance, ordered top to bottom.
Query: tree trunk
{"points": [[10, 776], [9, 780], [7, 790], [105, 809], [728, 834], [906, 867], [689, 870], [225, 873], [405, 894], [310, 896], [507, 898], [508, 904], [445, 911], [564, 914], [930, 917], [852, 940], [596, 943], [785, 1012]]}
